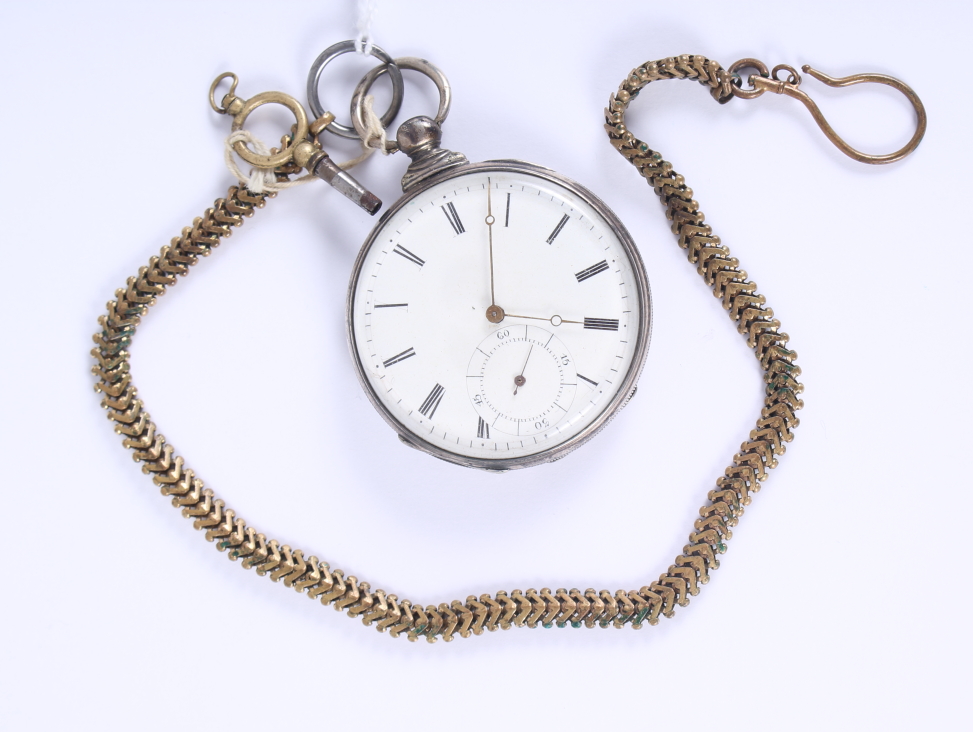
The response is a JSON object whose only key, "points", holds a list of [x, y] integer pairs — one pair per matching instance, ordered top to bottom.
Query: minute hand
{"points": [[489, 222]]}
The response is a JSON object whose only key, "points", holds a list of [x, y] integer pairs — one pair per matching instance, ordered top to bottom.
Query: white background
{"points": [[843, 602]]}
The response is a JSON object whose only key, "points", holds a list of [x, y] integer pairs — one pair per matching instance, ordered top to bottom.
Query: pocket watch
{"points": [[499, 313], [498, 316]]}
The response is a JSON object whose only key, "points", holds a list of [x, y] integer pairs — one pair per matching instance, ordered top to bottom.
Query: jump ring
{"points": [[330, 54], [748, 63], [412, 64], [793, 77], [234, 80], [269, 162]]}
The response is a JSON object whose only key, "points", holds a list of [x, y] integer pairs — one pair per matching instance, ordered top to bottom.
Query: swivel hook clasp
{"points": [[771, 81], [302, 149]]}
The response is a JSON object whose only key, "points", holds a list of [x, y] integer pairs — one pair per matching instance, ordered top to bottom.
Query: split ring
{"points": [[330, 54], [406, 62], [269, 162]]}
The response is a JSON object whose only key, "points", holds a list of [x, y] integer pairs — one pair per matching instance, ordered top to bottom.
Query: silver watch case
{"points": [[625, 391]]}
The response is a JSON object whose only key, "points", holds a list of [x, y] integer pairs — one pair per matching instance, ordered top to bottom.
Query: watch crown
{"points": [[418, 134], [419, 138]]}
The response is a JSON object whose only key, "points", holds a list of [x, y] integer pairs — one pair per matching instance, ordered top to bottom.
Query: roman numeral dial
{"points": [[495, 315]]}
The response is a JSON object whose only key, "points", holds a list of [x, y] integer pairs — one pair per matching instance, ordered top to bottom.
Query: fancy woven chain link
{"points": [[316, 580]]}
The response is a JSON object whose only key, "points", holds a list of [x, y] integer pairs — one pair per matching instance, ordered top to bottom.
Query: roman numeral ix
{"points": [[450, 210], [557, 229], [403, 252], [591, 271], [600, 324], [407, 353], [431, 404], [483, 430]]}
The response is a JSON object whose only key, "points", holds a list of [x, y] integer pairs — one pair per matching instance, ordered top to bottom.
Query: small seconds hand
{"points": [[519, 380]]}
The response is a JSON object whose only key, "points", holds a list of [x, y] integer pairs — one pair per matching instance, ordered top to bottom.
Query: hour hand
{"points": [[554, 320]]}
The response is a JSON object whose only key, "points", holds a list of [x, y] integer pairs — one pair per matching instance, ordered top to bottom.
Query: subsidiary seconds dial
{"points": [[498, 315], [521, 381]]}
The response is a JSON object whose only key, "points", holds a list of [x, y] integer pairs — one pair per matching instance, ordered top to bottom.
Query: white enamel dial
{"points": [[498, 316]]}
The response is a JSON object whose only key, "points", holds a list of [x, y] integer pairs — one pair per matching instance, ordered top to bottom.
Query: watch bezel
{"points": [[644, 331]]}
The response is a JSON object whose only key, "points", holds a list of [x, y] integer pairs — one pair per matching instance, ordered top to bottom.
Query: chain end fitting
{"points": [[770, 81]]}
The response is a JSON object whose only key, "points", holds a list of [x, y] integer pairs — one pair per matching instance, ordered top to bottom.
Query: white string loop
{"points": [[366, 13], [374, 139], [260, 179]]}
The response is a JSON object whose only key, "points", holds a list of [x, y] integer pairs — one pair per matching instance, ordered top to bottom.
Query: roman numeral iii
{"points": [[600, 324], [483, 430]]}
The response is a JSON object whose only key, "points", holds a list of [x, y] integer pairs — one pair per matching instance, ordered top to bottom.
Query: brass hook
{"points": [[769, 81]]}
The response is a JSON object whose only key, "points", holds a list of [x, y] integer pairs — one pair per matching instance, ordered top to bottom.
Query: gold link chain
{"points": [[317, 580]]}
